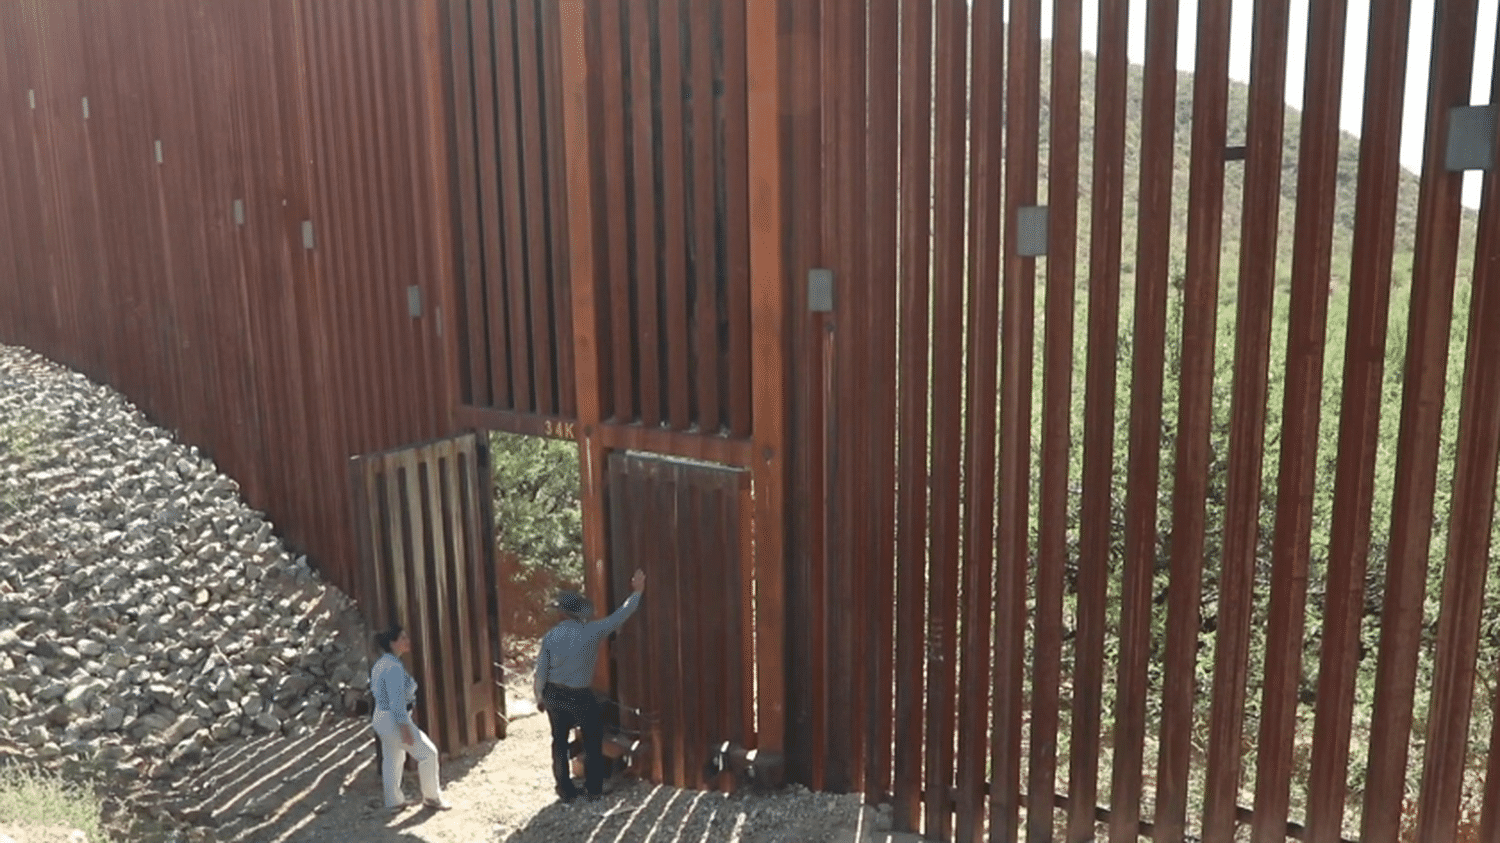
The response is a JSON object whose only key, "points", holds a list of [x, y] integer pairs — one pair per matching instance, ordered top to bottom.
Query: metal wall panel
{"points": [[668, 98], [908, 139], [278, 361], [422, 517], [1119, 622], [683, 660]]}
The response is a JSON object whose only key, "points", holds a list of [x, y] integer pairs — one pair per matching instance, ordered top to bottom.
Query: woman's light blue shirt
{"points": [[394, 688]]}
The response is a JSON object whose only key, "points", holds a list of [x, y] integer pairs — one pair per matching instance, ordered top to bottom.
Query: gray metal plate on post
{"points": [[1471, 137], [239, 212], [1031, 231], [307, 234], [820, 290], [414, 301]]}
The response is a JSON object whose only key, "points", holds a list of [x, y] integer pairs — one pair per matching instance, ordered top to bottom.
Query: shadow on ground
{"points": [[322, 785], [639, 812]]}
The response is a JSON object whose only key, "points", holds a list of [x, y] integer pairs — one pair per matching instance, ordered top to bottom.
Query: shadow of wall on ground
{"points": [[282, 788], [639, 812]]}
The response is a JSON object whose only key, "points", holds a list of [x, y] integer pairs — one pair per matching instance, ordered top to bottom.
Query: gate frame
{"points": [[454, 710]]}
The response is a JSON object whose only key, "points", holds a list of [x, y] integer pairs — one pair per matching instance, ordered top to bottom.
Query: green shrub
{"points": [[538, 527], [38, 799]]}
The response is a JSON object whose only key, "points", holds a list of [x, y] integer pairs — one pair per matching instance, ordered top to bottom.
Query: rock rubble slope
{"points": [[147, 615]]}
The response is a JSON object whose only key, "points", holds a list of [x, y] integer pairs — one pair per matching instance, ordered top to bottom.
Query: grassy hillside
{"points": [[1238, 100], [1223, 388]]}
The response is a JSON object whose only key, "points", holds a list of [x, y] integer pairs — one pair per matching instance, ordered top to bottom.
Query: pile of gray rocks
{"points": [[148, 616]]}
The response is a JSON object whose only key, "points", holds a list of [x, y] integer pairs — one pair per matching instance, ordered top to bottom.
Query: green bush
{"points": [[537, 515], [538, 527], [38, 799]]}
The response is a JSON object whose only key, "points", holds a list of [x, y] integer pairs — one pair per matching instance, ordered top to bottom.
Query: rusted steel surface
{"points": [[603, 40], [844, 71], [949, 107], [430, 130], [800, 165], [669, 170], [20, 188], [627, 196], [560, 234], [674, 248], [1312, 250], [706, 256], [585, 263], [1487, 266], [541, 279], [1257, 280], [644, 281], [484, 282], [512, 291], [735, 299], [1482, 305], [769, 325], [1018, 327], [226, 328], [881, 334], [914, 352], [1423, 387], [1057, 400], [857, 406], [1099, 417], [1195, 417], [1359, 419], [611, 436], [1143, 470], [819, 482], [423, 516], [466, 518], [1469, 547], [983, 588], [692, 614], [762, 647], [642, 648], [688, 667], [629, 689], [636, 690], [1244, 816]]}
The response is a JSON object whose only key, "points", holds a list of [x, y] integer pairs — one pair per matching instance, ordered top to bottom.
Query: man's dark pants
{"points": [[566, 708]]}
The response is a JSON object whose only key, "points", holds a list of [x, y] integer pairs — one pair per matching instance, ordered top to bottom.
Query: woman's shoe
{"points": [[437, 804]]}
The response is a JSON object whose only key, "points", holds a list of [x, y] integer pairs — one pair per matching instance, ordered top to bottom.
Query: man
{"points": [[564, 669]]}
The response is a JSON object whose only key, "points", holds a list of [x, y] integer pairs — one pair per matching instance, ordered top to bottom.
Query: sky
{"points": [[1356, 35]]}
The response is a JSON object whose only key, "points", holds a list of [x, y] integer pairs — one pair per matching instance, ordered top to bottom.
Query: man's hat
{"points": [[571, 602]]}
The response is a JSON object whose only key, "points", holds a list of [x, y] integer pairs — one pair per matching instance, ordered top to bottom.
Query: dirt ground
{"points": [[324, 787]]}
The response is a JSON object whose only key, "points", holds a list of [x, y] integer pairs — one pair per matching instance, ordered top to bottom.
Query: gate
{"points": [[423, 518], [686, 658]]}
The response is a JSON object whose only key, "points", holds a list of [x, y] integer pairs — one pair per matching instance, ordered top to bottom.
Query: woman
{"points": [[395, 694]]}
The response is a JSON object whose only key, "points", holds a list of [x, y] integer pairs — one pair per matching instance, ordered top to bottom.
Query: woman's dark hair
{"points": [[383, 640]]}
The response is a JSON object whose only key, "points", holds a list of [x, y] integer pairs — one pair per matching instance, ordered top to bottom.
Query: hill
{"points": [[1340, 282]]}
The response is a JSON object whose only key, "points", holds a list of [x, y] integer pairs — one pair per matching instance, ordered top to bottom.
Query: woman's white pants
{"points": [[395, 752]]}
